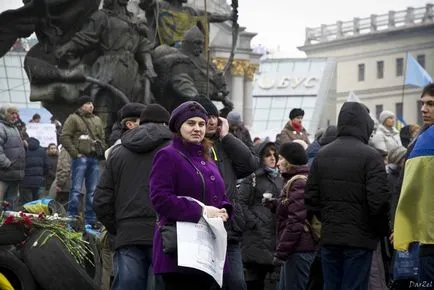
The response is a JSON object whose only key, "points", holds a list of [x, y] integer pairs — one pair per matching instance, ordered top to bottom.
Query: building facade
{"points": [[371, 57], [282, 84]]}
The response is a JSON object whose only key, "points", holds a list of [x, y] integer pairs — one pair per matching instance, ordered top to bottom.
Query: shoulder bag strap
{"points": [[87, 126], [197, 171], [289, 183]]}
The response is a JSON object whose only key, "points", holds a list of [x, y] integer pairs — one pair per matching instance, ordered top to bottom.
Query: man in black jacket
{"points": [[235, 161], [347, 188], [121, 199]]}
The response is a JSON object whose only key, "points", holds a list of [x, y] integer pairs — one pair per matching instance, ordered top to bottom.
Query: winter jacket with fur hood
{"points": [[12, 152]]}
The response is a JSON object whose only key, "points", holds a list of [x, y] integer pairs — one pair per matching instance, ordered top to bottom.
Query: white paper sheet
{"points": [[202, 246]]}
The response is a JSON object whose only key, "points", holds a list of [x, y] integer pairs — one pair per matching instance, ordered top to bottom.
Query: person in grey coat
{"points": [[12, 155]]}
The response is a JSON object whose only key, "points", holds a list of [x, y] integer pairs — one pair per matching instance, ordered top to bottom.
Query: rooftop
{"points": [[392, 21]]}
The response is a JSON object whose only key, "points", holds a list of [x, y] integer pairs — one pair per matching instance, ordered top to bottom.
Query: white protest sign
{"points": [[45, 133]]}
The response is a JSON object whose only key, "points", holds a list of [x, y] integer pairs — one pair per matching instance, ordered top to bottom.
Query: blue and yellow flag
{"points": [[400, 123], [414, 219]]}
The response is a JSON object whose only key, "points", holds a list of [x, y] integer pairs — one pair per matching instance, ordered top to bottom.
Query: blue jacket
{"points": [[37, 165]]}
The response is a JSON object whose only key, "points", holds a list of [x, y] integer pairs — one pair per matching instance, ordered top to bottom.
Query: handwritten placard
{"points": [[45, 133]]}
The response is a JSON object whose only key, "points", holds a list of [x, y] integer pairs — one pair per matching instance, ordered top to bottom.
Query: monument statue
{"points": [[170, 19], [54, 22], [108, 54], [124, 57], [207, 79]]}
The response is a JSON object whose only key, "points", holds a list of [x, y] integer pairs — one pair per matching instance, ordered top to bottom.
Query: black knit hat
{"points": [[84, 99], [208, 105], [131, 110], [297, 112], [155, 113], [294, 153]]}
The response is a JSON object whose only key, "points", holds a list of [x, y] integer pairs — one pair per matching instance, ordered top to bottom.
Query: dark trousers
{"points": [[28, 195], [346, 268], [426, 272], [294, 274], [255, 275], [234, 278], [189, 281]]}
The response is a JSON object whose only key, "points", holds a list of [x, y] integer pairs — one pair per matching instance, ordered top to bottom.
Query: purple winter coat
{"points": [[173, 176], [291, 216]]}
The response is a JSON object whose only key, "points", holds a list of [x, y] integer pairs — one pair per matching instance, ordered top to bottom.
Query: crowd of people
{"points": [[323, 211]]}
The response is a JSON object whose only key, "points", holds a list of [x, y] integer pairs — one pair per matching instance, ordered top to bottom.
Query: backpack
{"points": [[314, 225]]}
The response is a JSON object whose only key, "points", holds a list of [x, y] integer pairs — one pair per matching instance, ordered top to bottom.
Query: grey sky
{"points": [[281, 23]]}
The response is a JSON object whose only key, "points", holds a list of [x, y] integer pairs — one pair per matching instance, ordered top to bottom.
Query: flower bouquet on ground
{"points": [[47, 226]]}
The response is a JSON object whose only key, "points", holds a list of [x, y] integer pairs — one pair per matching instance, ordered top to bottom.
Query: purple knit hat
{"points": [[184, 112]]}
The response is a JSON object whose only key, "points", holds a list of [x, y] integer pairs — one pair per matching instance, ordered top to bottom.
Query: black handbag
{"points": [[97, 144], [168, 231]]}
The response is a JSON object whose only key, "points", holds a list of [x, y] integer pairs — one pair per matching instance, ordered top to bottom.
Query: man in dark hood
{"points": [[347, 188], [121, 199]]}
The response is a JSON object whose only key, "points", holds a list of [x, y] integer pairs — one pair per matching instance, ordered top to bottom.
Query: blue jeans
{"points": [[84, 169], [346, 268], [133, 269], [426, 272], [294, 274], [234, 278]]}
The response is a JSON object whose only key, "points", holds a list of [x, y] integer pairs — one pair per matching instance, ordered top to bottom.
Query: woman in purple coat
{"points": [[173, 175]]}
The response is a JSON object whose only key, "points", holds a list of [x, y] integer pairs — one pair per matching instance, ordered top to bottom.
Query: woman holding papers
{"points": [[184, 169]]}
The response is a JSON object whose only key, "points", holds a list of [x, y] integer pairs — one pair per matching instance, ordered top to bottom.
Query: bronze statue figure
{"points": [[108, 54], [123, 60], [207, 79]]}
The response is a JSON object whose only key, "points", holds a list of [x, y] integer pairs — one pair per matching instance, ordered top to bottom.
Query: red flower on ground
{"points": [[9, 220], [27, 220]]}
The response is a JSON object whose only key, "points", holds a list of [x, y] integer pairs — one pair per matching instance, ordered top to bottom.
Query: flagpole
{"points": [[403, 84]]}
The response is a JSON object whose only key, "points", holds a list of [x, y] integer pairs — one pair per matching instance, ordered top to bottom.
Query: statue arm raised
{"points": [[86, 39]]}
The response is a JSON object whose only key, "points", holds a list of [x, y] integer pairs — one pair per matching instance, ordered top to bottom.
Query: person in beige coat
{"points": [[59, 190]]}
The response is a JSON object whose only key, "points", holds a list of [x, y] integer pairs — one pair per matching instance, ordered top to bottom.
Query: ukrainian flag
{"points": [[400, 123], [414, 219]]}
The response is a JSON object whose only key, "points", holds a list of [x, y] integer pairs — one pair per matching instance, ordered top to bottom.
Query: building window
{"points": [[421, 60], [399, 67], [380, 69], [361, 72], [378, 110], [399, 111]]}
